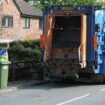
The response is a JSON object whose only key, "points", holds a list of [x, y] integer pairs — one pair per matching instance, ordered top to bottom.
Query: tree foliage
{"points": [[42, 3]]}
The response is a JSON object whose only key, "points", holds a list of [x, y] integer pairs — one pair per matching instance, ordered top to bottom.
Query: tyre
{"points": [[97, 78]]}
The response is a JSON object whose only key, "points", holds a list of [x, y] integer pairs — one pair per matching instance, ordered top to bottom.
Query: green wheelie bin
{"points": [[4, 67]]}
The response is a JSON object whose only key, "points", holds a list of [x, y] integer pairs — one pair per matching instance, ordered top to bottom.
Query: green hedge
{"points": [[26, 44], [22, 50]]}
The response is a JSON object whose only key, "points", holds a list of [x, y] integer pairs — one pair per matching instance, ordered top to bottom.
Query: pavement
{"points": [[15, 85]]}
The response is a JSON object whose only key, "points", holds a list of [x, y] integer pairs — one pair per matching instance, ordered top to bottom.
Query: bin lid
{"points": [[6, 40], [4, 62]]}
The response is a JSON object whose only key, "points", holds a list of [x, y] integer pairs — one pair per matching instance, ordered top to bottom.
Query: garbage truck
{"points": [[74, 42]]}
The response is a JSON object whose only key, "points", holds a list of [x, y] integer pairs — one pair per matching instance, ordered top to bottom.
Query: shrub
{"points": [[26, 44], [23, 50]]}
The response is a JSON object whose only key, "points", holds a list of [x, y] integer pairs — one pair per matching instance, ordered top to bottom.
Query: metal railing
{"points": [[26, 69]]}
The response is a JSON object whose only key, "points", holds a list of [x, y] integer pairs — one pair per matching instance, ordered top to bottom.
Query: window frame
{"points": [[7, 21], [26, 22]]}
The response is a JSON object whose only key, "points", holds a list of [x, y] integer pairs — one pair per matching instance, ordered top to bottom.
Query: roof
{"points": [[26, 9]]}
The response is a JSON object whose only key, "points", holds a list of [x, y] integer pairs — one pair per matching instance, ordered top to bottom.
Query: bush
{"points": [[26, 44], [24, 50]]}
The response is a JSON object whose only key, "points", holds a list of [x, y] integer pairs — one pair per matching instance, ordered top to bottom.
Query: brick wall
{"points": [[1, 12], [17, 32], [31, 33]]}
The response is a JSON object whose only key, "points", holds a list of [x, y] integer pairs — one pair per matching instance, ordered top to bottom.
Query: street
{"points": [[56, 94]]}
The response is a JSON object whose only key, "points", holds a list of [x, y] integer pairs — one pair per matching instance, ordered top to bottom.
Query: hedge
{"points": [[21, 50]]}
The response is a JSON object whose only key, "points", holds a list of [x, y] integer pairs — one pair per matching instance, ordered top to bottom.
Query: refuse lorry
{"points": [[74, 42]]}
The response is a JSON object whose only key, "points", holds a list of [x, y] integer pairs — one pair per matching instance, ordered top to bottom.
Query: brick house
{"points": [[19, 20]]}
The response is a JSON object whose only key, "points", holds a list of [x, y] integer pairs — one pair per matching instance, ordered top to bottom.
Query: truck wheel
{"points": [[97, 78]]}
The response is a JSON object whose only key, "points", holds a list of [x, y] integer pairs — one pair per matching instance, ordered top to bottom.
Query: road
{"points": [[56, 94]]}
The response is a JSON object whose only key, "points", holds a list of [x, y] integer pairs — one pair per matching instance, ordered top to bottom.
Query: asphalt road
{"points": [[56, 94]]}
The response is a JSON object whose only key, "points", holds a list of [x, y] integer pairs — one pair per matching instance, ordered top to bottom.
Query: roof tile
{"points": [[27, 9]]}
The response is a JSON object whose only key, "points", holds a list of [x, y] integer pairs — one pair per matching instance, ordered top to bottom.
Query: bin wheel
{"points": [[98, 78]]}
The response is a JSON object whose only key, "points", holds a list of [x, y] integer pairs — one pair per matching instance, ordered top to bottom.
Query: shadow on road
{"points": [[55, 85]]}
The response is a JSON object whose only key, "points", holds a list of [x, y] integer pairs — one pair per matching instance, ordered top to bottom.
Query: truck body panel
{"points": [[100, 20], [74, 40]]}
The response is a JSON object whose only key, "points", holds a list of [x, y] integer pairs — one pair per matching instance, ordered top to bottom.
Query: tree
{"points": [[41, 3]]}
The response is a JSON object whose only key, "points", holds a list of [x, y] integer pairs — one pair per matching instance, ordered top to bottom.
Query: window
{"points": [[7, 21], [26, 23]]}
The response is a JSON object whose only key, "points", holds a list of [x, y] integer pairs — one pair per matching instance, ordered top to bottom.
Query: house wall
{"points": [[1, 12], [17, 32], [33, 32]]}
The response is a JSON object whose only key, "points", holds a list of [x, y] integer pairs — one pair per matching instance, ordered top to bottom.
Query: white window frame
{"points": [[7, 21], [26, 22]]}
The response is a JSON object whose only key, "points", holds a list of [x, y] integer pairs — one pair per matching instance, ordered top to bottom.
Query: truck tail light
{"points": [[95, 41], [96, 53]]}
